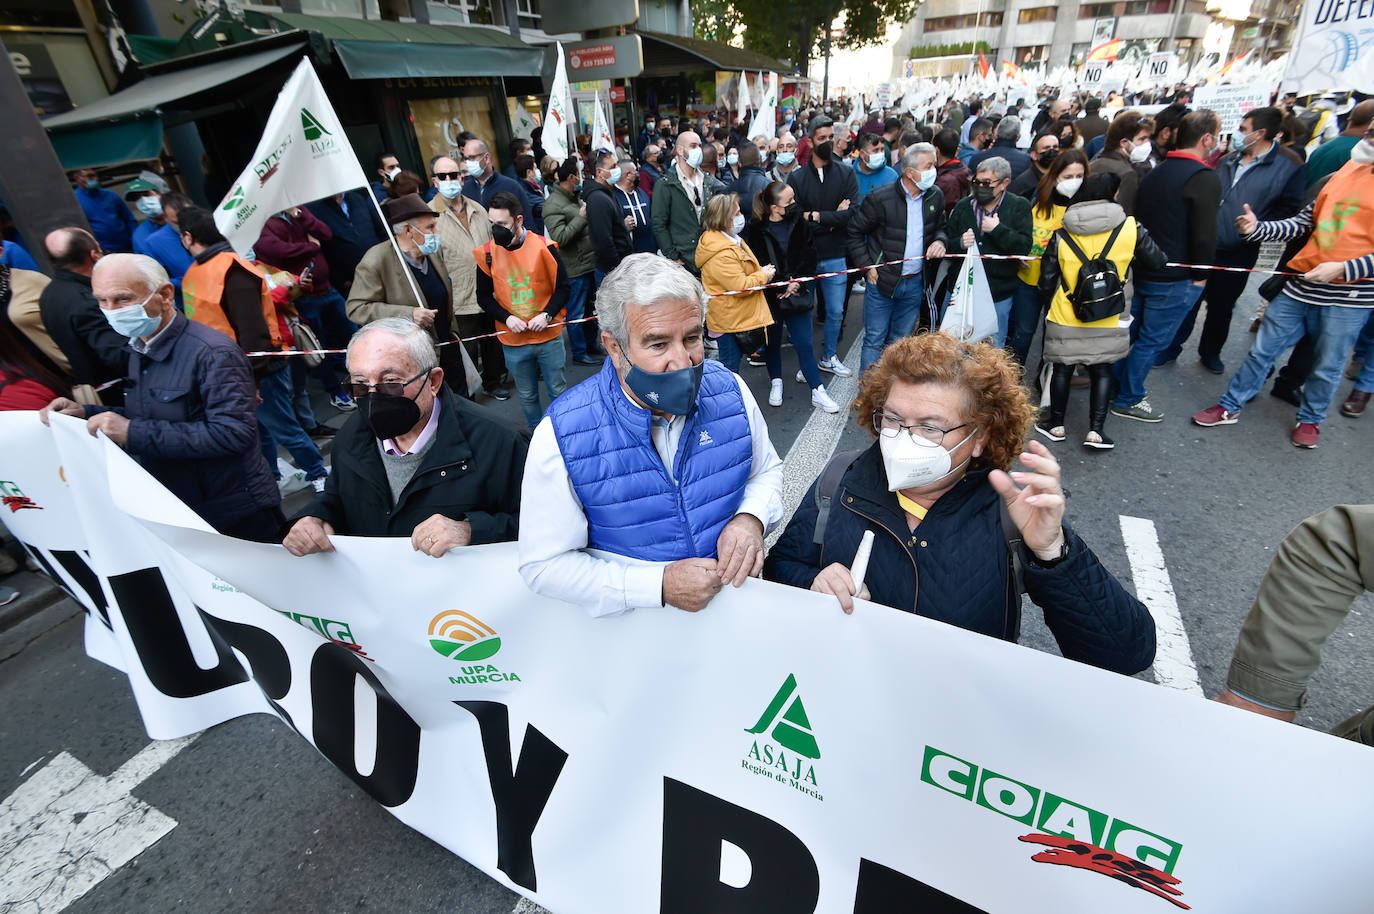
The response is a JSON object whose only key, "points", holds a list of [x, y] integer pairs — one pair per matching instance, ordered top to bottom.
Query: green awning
{"points": [[149, 49], [382, 49], [672, 52], [108, 144]]}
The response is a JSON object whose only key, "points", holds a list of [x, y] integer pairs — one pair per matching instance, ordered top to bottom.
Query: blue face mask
{"points": [[694, 157], [786, 158], [876, 160], [615, 174], [927, 179], [92, 183], [450, 189], [430, 245], [133, 321], [671, 392]]}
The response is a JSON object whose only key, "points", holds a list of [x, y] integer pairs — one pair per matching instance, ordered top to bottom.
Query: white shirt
{"points": [[554, 560]]}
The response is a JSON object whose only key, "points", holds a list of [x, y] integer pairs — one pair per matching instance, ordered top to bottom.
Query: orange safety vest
{"points": [[1342, 220], [524, 281], [202, 289]]}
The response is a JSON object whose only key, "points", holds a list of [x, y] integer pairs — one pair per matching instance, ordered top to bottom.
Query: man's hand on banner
{"points": [[967, 238], [1331, 271], [424, 317], [63, 406], [115, 426], [1037, 509], [439, 534], [308, 536], [739, 549], [836, 580], [690, 584]]}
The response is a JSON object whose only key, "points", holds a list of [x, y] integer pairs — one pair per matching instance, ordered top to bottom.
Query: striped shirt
{"points": [[1358, 294]]}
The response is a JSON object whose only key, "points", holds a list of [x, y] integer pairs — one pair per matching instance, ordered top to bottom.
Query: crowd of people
{"points": [[676, 262]]}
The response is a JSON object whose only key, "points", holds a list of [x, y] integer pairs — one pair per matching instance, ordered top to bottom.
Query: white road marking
{"points": [[815, 445], [1174, 665], [67, 828], [525, 906]]}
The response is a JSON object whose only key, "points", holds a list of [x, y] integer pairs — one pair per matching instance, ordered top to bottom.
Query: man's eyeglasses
{"points": [[476, 158], [448, 175], [986, 183], [360, 389], [889, 426]]}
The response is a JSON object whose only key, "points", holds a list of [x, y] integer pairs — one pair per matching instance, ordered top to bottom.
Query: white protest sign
{"points": [[1332, 52], [1159, 67], [1092, 75], [884, 95], [1231, 101], [598, 766]]}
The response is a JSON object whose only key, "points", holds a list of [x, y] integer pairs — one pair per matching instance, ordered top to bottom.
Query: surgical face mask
{"points": [[1242, 141], [825, 150], [1141, 153], [1362, 153], [694, 157], [732, 158], [786, 158], [876, 160], [474, 168], [394, 173], [615, 174], [927, 179], [92, 183], [1069, 186], [450, 189], [149, 206], [738, 223], [430, 244], [133, 321], [671, 392], [390, 416], [912, 464]]}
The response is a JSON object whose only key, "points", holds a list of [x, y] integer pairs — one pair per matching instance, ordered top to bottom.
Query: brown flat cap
{"points": [[405, 207]]}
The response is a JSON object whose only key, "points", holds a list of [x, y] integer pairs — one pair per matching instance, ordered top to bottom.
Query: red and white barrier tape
{"points": [[466, 339]]}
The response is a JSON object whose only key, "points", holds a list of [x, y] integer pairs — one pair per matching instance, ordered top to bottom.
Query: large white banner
{"points": [[1334, 51], [1232, 101], [303, 155], [769, 754]]}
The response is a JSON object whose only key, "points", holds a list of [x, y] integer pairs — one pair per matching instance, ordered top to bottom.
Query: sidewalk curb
{"points": [[36, 593]]}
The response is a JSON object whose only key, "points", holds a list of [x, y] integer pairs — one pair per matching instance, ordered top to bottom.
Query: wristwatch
{"points": [[1038, 562]]}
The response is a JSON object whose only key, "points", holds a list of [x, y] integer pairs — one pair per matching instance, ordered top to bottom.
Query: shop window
{"points": [[1147, 7], [1036, 14], [948, 23], [1032, 54], [438, 121]]}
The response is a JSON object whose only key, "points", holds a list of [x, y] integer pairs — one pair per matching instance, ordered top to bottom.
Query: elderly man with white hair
{"points": [[896, 228], [190, 404], [414, 460], [654, 482]]}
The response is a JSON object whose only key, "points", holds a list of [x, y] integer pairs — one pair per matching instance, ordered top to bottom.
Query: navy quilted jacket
{"points": [[954, 568]]}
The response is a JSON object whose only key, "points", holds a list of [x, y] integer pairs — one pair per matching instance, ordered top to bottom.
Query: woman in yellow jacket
{"points": [[727, 264], [1089, 328]]}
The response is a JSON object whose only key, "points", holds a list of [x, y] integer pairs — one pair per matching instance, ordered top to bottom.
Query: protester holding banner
{"points": [[1000, 223], [189, 411], [948, 419], [415, 460], [662, 460]]}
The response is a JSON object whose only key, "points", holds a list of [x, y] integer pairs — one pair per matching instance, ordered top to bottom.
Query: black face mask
{"points": [[825, 150], [1047, 157], [984, 194], [790, 210], [502, 236], [389, 416]]}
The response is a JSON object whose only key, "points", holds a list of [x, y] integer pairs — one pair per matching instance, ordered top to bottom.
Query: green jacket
{"points": [[563, 224], [676, 226], [1012, 236]]}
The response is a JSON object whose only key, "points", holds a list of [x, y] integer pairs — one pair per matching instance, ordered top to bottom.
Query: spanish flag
{"points": [[1106, 51], [982, 65], [1010, 70]]}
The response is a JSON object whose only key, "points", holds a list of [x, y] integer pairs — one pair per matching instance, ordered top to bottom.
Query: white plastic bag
{"points": [[971, 315]]}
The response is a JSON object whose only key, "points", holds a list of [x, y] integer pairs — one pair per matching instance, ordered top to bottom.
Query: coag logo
{"points": [[313, 128], [235, 200], [15, 499], [462, 636], [788, 743]]}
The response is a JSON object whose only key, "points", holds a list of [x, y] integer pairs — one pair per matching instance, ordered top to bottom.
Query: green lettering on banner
{"points": [[949, 773], [1010, 798], [1059, 816], [1145, 846]]}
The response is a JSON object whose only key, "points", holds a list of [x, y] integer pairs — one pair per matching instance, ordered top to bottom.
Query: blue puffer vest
{"points": [[632, 506]]}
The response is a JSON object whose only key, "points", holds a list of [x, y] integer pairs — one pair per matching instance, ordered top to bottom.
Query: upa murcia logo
{"points": [[320, 137], [15, 499], [462, 636], [787, 748]]}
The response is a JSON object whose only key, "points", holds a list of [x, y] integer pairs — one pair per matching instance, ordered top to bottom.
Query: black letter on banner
{"points": [[81, 573], [156, 631], [271, 667], [392, 780], [519, 799], [784, 875], [882, 889]]}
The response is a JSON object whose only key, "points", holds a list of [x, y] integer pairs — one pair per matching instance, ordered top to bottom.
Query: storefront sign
{"points": [[605, 58], [40, 78], [618, 95]]}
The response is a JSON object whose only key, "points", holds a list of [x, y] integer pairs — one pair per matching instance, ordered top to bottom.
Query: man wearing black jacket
{"points": [[825, 189], [353, 220], [1186, 230], [610, 239], [96, 352], [414, 460]]}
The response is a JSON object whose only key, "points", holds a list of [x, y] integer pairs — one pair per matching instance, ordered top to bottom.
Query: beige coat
{"points": [[457, 246], [25, 288], [382, 289]]}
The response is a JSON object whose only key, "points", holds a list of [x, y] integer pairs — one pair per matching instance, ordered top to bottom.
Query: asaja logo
{"points": [[313, 128], [235, 200], [15, 499], [462, 636], [788, 747]]}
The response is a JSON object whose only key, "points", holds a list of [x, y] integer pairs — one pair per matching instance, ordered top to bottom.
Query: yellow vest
{"points": [[1041, 229], [1121, 254]]}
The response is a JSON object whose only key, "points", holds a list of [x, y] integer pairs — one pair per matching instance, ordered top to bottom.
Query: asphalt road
{"points": [[263, 823]]}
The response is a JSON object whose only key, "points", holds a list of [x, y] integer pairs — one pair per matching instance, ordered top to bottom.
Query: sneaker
{"points": [[860, 285], [756, 358], [1212, 364], [836, 367], [801, 378], [775, 392], [498, 393], [342, 401], [822, 401], [1141, 411], [1215, 415], [321, 431], [1054, 434], [1305, 435], [1098, 441], [319, 485]]}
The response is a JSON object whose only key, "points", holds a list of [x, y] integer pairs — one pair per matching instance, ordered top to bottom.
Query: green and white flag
{"points": [[522, 124], [555, 137], [602, 138], [303, 155]]}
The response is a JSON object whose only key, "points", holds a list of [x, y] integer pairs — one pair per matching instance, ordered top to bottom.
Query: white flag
{"points": [[744, 101], [766, 115], [522, 125], [555, 138], [602, 138], [303, 155]]}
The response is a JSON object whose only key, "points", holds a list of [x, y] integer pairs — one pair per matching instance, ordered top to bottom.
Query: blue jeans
{"points": [[833, 294], [579, 297], [1003, 308], [1158, 308], [327, 315], [887, 320], [1023, 321], [1285, 321], [799, 331], [1364, 351], [728, 352], [526, 363], [300, 396], [277, 415]]}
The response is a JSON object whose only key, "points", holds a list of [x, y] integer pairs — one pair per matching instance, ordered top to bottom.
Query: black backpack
{"points": [[1099, 293]]}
